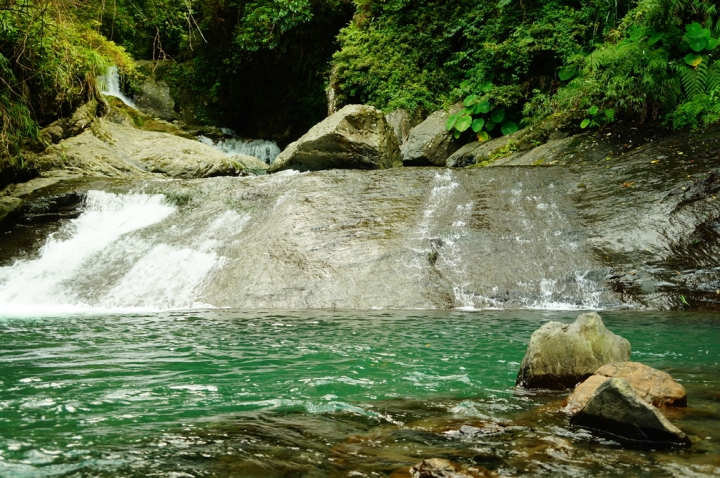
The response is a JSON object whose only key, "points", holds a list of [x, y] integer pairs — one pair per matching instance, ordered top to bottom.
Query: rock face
{"points": [[153, 95], [401, 123], [356, 137], [430, 143], [116, 150], [559, 355], [654, 386], [617, 409], [441, 468]]}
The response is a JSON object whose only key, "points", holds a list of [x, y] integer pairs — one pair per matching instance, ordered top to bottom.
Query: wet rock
{"points": [[153, 94], [401, 123], [356, 137], [430, 143], [117, 150], [475, 152], [561, 355], [654, 386], [582, 393], [616, 408], [440, 468]]}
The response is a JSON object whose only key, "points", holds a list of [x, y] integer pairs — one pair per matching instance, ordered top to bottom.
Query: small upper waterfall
{"points": [[110, 86], [262, 149]]}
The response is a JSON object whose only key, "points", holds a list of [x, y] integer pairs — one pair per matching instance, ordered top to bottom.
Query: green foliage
{"points": [[48, 65], [597, 118]]}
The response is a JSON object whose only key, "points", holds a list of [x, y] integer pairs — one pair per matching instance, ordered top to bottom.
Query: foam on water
{"points": [[110, 86], [102, 261]]}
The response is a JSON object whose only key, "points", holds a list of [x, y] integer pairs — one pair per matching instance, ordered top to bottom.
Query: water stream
{"points": [[110, 86]]}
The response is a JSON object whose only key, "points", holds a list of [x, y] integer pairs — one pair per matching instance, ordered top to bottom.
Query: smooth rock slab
{"points": [[356, 137], [560, 356], [616, 408]]}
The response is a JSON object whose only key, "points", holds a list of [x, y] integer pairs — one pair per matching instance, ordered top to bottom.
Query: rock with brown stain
{"points": [[441, 468]]}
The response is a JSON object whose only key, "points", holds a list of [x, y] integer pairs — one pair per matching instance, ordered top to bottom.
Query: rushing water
{"points": [[110, 86], [233, 146], [267, 393]]}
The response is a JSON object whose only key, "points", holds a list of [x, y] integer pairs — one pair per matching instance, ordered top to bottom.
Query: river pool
{"points": [[324, 394]]}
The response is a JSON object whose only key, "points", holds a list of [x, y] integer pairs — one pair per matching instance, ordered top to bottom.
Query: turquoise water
{"points": [[252, 393]]}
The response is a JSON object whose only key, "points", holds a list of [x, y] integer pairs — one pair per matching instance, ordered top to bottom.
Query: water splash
{"points": [[110, 86], [262, 149], [109, 259]]}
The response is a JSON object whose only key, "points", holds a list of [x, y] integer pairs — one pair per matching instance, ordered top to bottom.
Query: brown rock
{"points": [[654, 386], [582, 394], [440, 468]]}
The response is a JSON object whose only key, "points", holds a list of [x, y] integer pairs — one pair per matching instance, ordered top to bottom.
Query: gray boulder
{"points": [[153, 95], [401, 123], [356, 137], [430, 143], [476, 152], [561, 355], [617, 409]]}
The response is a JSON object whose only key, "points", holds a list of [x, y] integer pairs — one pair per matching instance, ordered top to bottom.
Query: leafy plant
{"points": [[479, 116], [597, 118]]}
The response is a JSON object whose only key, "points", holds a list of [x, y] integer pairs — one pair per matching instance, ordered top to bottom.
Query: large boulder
{"points": [[153, 95], [356, 137], [430, 143], [560, 356], [654, 386], [616, 408]]}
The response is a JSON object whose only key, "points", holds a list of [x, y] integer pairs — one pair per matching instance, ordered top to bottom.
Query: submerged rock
{"points": [[356, 137], [430, 143], [561, 355], [616, 408], [441, 468]]}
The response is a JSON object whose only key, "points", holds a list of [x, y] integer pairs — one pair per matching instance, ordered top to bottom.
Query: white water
{"points": [[110, 85], [263, 150], [103, 261]]}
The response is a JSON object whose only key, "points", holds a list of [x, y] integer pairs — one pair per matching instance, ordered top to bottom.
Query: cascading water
{"points": [[110, 86], [262, 149], [401, 239], [111, 258]]}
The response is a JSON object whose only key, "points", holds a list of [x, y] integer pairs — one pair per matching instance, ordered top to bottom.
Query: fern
{"points": [[713, 78], [694, 80]]}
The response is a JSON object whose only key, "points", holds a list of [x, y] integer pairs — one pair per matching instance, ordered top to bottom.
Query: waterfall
{"points": [[110, 86], [262, 149], [109, 258]]}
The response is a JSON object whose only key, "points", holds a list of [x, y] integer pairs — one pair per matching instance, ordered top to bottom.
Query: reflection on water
{"points": [[235, 393]]}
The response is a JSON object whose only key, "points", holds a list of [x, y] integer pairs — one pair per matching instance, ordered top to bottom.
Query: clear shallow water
{"points": [[252, 393]]}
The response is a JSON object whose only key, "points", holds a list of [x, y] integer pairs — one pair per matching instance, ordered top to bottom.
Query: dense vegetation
{"points": [[260, 66]]}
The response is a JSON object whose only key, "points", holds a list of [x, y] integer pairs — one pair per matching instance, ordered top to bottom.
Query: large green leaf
{"points": [[655, 37], [712, 43], [697, 44], [693, 59], [566, 73], [486, 86], [470, 100], [482, 107], [593, 110], [610, 113], [498, 115], [450, 123], [463, 123], [585, 123], [478, 124], [490, 125], [509, 128], [483, 136]]}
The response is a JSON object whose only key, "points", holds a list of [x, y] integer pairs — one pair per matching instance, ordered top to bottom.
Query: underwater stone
{"points": [[561, 355]]}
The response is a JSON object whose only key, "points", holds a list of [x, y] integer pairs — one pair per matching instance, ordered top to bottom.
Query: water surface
{"points": [[315, 394]]}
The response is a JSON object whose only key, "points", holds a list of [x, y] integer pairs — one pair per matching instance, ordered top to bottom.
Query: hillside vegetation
{"points": [[262, 66]]}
